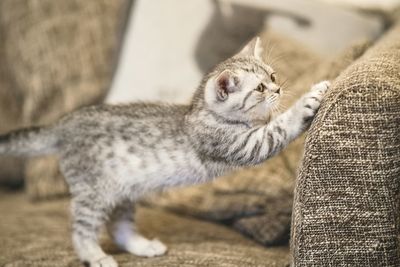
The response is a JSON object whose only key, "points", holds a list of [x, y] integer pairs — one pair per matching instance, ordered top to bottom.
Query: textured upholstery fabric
{"points": [[56, 56], [346, 209], [39, 235]]}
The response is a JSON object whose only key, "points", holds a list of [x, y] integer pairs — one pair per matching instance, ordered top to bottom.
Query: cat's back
{"points": [[135, 111], [127, 112], [126, 121]]}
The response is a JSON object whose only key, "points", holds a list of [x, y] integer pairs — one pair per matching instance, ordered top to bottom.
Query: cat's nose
{"points": [[274, 88]]}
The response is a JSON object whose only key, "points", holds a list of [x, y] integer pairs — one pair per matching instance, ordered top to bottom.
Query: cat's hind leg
{"points": [[89, 214], [122, 229]]}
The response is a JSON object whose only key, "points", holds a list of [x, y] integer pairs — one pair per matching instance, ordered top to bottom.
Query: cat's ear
{"points": [[253, 49], [225, 83]]}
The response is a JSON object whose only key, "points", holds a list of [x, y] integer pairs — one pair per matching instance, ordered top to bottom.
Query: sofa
{"points": [[334, 193], [346, 205]]}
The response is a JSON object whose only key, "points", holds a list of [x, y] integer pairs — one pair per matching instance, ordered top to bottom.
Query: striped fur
{"points": [[113, 155]]}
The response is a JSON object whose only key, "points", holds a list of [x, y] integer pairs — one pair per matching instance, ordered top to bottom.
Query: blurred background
{"points": [[170, 44]]}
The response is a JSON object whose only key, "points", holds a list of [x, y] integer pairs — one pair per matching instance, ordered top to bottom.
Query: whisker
{"points": [[267, 51], [270, 51], [277, 59], [285, 82], [284, 86], [287, 93], [290, 98], [282, 107], [274, 110]]}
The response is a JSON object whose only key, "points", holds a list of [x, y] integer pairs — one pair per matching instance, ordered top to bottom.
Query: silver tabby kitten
{"points": [[113, 155]]}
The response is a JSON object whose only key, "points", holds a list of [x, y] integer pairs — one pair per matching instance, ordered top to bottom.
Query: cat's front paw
{"points": [[321, 87], [312, 100]]}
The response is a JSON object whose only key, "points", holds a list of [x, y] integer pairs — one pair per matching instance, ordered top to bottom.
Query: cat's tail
{"points": [[28, 142]]}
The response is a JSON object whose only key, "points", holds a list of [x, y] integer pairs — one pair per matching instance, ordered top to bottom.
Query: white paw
{"points": [[321, 87], [312, 100], [146, 248], [104, 262]]}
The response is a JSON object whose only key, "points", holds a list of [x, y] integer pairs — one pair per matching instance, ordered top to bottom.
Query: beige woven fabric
{"points": [[56, 56], [258, 201], [346, 210], [39, 235]]}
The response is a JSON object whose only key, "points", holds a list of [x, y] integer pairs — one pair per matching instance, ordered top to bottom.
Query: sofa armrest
{"points": [[346, 207]]}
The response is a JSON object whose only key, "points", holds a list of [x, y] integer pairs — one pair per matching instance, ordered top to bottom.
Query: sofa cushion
{"points": [[39, 235]]}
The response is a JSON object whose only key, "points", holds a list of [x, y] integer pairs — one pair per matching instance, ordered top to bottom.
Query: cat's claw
{"points": [[321, 87], [312, 100], [104, 262]]}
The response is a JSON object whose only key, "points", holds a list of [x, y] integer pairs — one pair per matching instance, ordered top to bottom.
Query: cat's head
{"points": [[243, 88]]}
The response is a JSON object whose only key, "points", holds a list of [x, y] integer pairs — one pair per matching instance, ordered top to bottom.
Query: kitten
{"points": [[113, 155]]}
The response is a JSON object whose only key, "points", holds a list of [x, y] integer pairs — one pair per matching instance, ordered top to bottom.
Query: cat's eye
{"points": [[273, 77], [260, 88]]}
